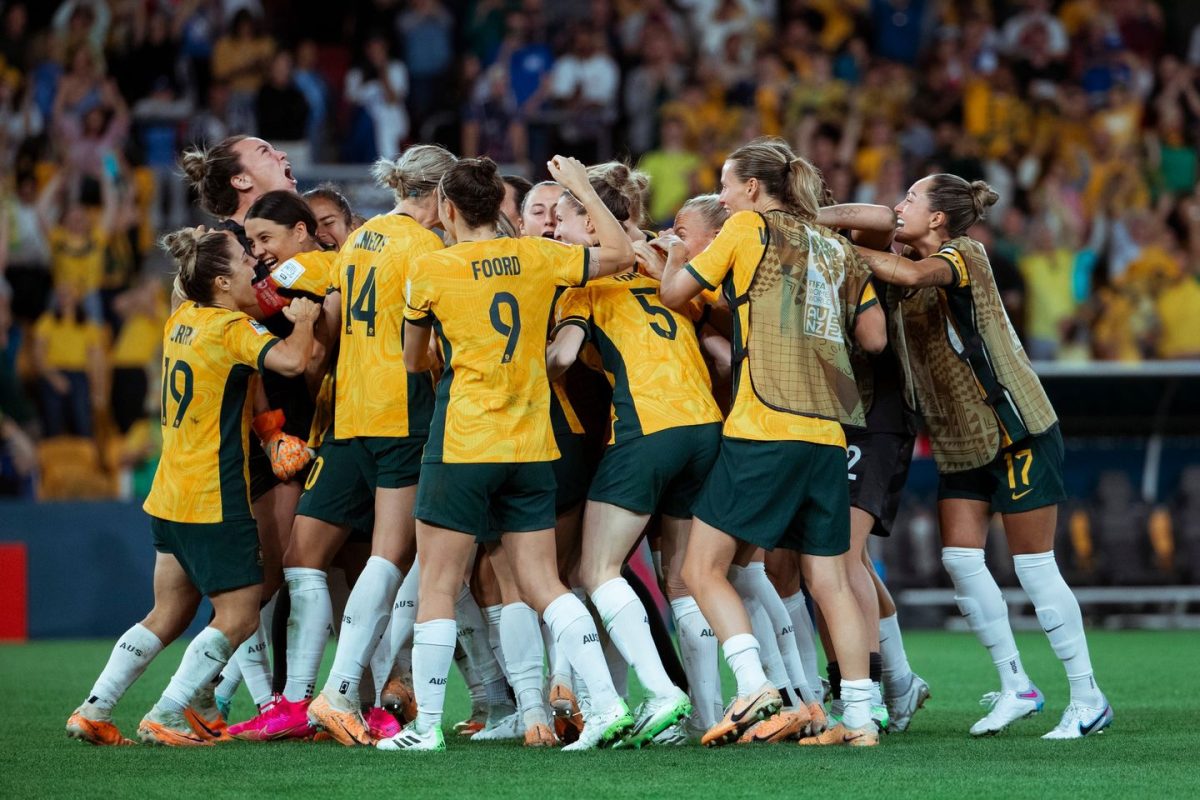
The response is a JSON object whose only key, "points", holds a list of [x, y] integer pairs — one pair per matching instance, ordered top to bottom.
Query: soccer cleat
{"points": [[398, 699], [563, 701], [903, 706], [1007, 707], [742, 713], [879, 715], [205, 716], [654, 716], [279, 719], [1079, 721], [818, 722], [791, 723], [381, 724], [345, 725], [468, 727], [510, 727], [170, 729], [603, 729], [95, 731], [540, 735], [841, 735], [673, 736], [411, 738]]}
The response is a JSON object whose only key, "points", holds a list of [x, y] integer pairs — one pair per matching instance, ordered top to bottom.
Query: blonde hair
{"points": [[416, 172], [784, 176], [619, 188], [709, 207], [200, 257]]}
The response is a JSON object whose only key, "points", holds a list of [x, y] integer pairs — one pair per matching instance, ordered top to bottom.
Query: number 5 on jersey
{"points": [[360, 307]]}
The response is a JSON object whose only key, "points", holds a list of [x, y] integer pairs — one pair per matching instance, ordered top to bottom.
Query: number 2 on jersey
{"points": [[643, 296], [360, 308], [510, 329], [177, 382]]}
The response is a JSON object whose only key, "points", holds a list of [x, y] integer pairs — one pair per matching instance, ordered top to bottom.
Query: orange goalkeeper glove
{"points": [[289, 454]]}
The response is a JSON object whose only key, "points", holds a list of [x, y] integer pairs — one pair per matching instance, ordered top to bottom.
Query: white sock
{"points": [[753, 577], [980, 601], [1058, 612], [367, 613], [492, 615], [404, 616], [625, 619], [308, 629], [575, 632], [522, 637], [474, 641], [806, 641], [698, 649], [433, 652], [130, 656], [742, 656], [253, 660], [202, 662], [772, 663], [380, 665], [560, 668], [897, 674], [229, 680], [856, 699]]}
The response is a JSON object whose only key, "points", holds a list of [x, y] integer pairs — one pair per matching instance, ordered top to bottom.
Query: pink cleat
{"points": [[278, 719], [381, 724]]}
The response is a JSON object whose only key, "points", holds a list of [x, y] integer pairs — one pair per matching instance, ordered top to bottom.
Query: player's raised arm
{"points": [[615, 252]]}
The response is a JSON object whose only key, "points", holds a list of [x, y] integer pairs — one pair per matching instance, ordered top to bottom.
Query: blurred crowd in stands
{"points": [[1083, 114]]}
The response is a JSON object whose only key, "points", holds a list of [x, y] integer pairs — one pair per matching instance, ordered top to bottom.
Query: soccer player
{"points": [[229, 177], [335, 217], [384, 414], [665, 435], [996, 441], [486, 468], [773, 483], [204, 530]]}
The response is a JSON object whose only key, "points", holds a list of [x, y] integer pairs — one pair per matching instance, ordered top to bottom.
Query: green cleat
{"points": [[653, 717], [603, 729]]}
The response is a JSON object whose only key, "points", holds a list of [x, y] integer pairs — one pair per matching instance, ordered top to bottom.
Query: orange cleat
{"points": [[399, 700], [742, 713], [819, 721], [790, 723], [347, 727], [214, 730], [95, 731], [172, 733], [539, 735], [840, 735]]}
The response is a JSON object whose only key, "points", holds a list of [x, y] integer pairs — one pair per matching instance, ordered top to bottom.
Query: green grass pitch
{"points": [[1151, 750]]}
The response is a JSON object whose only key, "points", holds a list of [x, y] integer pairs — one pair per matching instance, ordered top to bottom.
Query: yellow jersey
{"points": [[78, 261], [730, 262], [310, 273], [490, 303], [1178, 306], [68, 340], [209, 355], [650, 355], [374, 395]]}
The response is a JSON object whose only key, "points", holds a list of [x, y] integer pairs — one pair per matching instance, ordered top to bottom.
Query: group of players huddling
{"points": [[404, 375]]}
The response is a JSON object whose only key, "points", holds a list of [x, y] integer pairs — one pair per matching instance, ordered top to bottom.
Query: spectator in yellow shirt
{"points": [[1048, 268], [1178, 309], [143, 311], [68, 354]]}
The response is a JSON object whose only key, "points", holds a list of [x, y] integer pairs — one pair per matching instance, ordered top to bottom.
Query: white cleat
{"points": [[903, 706], [1007, 707], [1079, 721], [511, 727], [603, 729], [676, 736], [412, 739]]}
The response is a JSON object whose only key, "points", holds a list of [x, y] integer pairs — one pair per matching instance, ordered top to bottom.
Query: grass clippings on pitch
{"points": [[1151, 750]]}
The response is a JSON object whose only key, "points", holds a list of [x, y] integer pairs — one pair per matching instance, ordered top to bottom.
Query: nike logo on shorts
{"points": [[1018, 496]]}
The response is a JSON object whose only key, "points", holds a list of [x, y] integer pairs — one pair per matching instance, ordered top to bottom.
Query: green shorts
{"points": [[388, 462], [570, 471], [660, 473], [1024, 476], [336, 491], [779, 494], [485, 500], [217, 556]]}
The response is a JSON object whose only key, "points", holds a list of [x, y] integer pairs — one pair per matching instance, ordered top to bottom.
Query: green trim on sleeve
{"points": [[587, 265], [700, 280], [874, 301], [422, 322], [579, 322], [262, 354]]}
